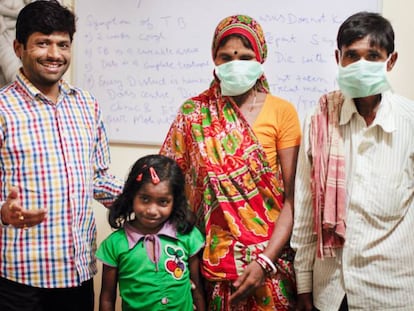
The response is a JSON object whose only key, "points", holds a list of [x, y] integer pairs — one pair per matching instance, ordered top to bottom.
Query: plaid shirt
{"points": [[58, 156]]}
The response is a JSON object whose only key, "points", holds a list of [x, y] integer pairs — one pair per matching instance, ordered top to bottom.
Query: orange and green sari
{"points": [[234, 193]]}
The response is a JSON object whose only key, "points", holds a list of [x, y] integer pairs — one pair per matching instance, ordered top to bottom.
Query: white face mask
{"points": [[238, 76], [363, 78]]}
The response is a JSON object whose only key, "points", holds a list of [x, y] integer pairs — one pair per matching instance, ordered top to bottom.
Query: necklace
{"points": [[253, 102]]}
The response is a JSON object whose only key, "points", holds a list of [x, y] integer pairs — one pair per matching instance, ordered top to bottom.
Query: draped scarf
{"points": [[328, 175]]}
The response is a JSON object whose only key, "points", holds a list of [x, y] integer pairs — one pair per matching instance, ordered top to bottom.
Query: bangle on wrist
{"points": [[262, 264], [266, 264]]}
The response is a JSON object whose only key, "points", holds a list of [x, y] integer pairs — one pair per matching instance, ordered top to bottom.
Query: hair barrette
{"points": [[139, 176], [154, 176]]}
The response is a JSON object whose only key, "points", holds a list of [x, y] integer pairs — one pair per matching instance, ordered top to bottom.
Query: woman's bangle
{"points": [[262, 264], [266, 264]]}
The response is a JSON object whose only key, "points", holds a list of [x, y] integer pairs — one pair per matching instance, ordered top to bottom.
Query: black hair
{"points": [[45, 17], [366, 24], [167, 169]]}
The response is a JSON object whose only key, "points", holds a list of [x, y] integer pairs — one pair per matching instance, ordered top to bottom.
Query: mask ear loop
{"points": [[154, 177]]}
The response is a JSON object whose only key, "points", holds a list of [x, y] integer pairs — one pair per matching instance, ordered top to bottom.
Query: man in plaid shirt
{"points": [[54, 158]]}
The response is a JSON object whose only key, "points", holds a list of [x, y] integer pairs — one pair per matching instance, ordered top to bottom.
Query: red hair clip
{"points": [[154, 176], [139, 177]]}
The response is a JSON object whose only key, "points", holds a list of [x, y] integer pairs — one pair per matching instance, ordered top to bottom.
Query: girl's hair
{"points": [[167, 170]]}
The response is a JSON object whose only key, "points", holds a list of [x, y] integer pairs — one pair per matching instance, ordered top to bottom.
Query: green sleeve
{"points": [[196, 241], [109, 250]]}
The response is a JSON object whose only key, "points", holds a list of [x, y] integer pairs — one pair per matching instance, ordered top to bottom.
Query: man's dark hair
{"points": [[45, 17], [366, 24]]}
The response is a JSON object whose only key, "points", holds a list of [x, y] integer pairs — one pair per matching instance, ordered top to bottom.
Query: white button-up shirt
{"points": [[375, 268]]}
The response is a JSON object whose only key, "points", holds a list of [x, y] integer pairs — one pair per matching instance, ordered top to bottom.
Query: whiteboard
{"points": [[143, 58]]}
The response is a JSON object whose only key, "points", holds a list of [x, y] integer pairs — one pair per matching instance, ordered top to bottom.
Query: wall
{"points": [[397, 11]]}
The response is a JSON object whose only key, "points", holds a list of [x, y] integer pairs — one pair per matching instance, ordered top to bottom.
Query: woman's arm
{"points": [[288, 159], [254, 275], [107, 297]]}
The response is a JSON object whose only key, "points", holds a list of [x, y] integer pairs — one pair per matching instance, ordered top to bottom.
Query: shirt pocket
{"points": [[390, 194]]}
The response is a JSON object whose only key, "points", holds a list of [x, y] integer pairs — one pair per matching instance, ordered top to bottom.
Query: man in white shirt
{"points": [[354, 192]]}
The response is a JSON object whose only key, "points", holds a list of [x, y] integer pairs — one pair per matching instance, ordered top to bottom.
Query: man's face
{"points": [[361, 49], [45, 58]]}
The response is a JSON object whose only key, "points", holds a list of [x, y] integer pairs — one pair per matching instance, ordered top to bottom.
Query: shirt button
{"points": [[164, 300]]}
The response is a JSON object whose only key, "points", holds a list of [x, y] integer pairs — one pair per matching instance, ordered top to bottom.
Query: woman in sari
{"points": [[237, 145]]}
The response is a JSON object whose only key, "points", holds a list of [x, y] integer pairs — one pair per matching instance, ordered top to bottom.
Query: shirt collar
{"points": [[31, 90], [383, 119], [134, 236]]}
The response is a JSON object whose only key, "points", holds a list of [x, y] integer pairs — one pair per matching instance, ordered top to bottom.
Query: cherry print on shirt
{"points": [[175, 265]]}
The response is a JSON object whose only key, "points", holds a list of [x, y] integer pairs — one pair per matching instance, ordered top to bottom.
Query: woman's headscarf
{"points": [[249, 28]]}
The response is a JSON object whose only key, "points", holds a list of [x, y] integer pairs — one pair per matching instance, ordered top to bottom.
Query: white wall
{"points": [[397, 11]]}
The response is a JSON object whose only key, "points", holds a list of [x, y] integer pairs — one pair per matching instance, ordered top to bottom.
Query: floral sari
{"points": [[232, 189]]}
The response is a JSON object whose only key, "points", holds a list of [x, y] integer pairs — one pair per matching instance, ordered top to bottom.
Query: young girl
{"points": [[154, 253]]}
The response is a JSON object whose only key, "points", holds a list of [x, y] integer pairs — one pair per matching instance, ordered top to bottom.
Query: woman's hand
{"points": [[246, 284]]}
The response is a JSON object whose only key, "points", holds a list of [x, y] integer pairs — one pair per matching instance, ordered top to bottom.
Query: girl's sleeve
{"points": [[196, 241], [107, 252]]}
